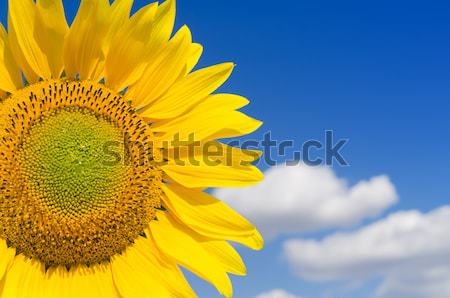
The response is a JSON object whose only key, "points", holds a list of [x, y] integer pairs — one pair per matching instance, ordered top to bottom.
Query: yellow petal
{"points": [[119, 15], [163, 26], [51, 28], [22, 31], [138, 43], [83, 48], [194, 56], [126, 63], [162, 72], [10, 78], [189, 91], [222, 102], [213, 118], [204, 126], [207, 126], [211, 152], [197, 164], [201, 174], [209, 216], [175, 241], [6, 257], [231, 261], [141, 272], [172, 276], [24, 279], [80, 281], [57, 283]]}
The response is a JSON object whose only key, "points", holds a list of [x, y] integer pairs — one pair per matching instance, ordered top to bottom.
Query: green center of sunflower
{"points": [[68, 163]]}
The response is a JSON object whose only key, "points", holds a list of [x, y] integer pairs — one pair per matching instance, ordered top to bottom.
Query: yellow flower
{"points": [[77, 218]]}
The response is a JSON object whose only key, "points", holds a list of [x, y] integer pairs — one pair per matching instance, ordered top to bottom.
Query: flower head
{"points": [[96, 198]]}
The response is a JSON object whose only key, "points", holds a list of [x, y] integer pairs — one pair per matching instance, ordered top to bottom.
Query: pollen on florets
{"points": [[65, 163], [61, 201]]}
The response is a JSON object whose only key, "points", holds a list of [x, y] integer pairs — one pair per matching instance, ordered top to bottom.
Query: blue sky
{"points": [[376, 73]]}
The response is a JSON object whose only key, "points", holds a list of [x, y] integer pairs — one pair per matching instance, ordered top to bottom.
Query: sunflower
{"points": [[106, 133]]}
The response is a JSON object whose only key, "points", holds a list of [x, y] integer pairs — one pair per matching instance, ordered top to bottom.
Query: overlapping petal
{"points": [[119, 15], [163, 25], [51, 30], [37, 33], [137, 43], [84, 45], [29, 55], [194, 56], [126, 63], [163, 70], [10, 77], [189, 91], [214, 118], [212, 152], [203, 175], [209, 216], [175, 241], [6, 257], [228, 257], [24, 271], [142, 272], [28, 278], [83, 281]]}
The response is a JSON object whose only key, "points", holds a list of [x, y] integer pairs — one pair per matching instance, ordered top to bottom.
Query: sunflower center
{"points": [[65, 159], [65, 198]]}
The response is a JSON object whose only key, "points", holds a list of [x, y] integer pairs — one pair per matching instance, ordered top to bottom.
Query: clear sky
{"points": [[376, 73]]}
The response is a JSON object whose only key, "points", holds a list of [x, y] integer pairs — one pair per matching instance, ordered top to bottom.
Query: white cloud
{"points": [[301, 198], [409, 251], [421, 282], [277, 293]]}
